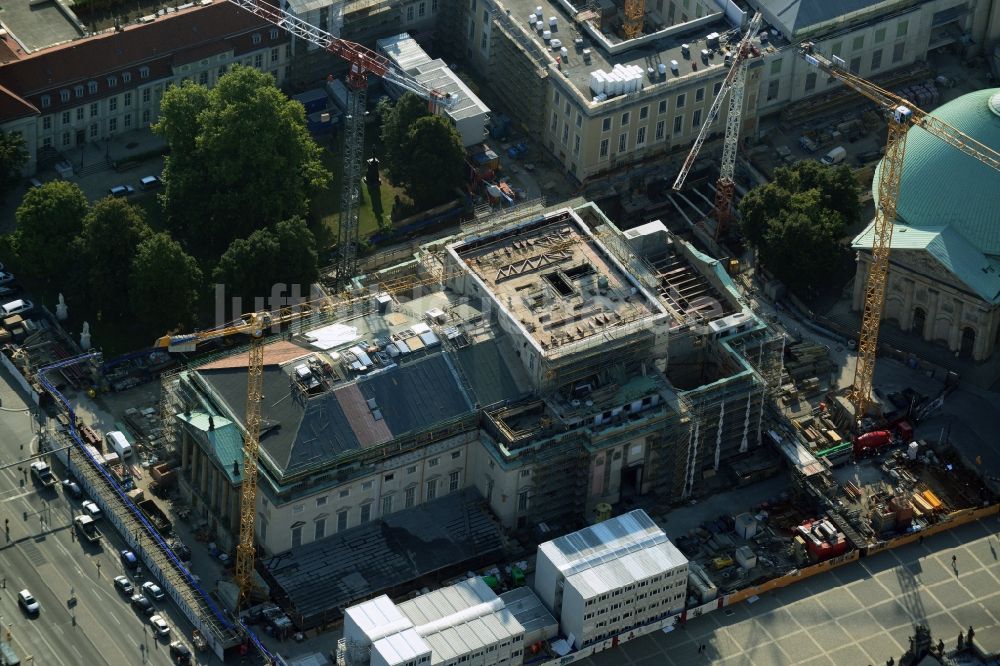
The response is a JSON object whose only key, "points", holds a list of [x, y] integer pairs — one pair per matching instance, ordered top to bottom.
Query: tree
{"points": [[397, 119], [13, 157], [436, 157], [244, 163], [48, 220], [797, 221], [112, 231], [251, 267], [164, 282]]}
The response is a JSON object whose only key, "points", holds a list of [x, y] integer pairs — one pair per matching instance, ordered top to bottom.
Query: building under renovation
{"points": [[549, 363]]}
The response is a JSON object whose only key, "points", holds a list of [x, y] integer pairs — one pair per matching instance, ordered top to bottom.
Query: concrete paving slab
{"points": [[932, 571], [979, 580], [950, 596], [810, 613], [892, 614], [974, 615], [859, 625], [830, 636], [798, 646], [880, 647], [636, 650], [769, 654], [850, 654], [821, 660]]}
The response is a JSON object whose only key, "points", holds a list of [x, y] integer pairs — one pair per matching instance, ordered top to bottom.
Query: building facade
{"points": [[97, 87]]}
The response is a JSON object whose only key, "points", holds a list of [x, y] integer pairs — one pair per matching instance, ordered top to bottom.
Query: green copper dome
{"points": [[942, 186]]}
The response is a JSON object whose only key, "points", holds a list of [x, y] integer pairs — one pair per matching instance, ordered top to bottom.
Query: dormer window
{"points": [[274, 33], [256, 38], [144, 72], [126, 77], [112, 81], [92, 87], [78, 90], [47, 101]]}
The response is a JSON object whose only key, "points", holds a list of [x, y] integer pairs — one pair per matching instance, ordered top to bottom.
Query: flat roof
{"points": [[39, 25], [645, 53], [556, 278], [627, 569], [529, 610]]}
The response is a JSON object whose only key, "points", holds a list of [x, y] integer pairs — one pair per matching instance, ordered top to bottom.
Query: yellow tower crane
{"points": [[635, 15], [902, 116]]}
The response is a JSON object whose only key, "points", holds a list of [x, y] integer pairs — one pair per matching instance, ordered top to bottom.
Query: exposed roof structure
{"points": [[941, 206], [451, 533]]}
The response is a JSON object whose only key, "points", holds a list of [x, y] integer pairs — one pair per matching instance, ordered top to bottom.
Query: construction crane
{"points": [[635, 16], [362, 61], [735, 84], [902, 116]]}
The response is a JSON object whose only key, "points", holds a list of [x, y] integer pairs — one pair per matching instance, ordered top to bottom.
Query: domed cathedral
{"points": [[944, 274]]}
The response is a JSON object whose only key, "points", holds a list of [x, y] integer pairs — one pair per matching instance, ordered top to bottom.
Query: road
{"points": [[41, 553]]}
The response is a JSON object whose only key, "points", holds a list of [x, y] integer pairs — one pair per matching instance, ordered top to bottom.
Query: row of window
{"points": [[421, 10], [64, 94], [67, 117], [93, 131], [670, 579]]}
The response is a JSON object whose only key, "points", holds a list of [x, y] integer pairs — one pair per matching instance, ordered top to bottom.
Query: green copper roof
{"points": [[943, 187], [224, 439]]}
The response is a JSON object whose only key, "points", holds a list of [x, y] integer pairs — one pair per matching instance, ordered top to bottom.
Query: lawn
{"points": [[326, 205]]}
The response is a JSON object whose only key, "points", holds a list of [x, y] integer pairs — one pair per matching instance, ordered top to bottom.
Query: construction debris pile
{"points": [[809, 366]]}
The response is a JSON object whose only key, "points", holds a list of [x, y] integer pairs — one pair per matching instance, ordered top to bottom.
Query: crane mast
{"points": [[735, 84], [902, 115]]}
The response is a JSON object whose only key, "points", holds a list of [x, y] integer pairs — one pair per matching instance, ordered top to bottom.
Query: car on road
{"points": [[121, 191], [19, 306], [43, 473], [72, 488], [92, 509], [129, 560], [124, 585], [153, 591], [27, 602], [142, 604], [160, 625], [180, 653]]}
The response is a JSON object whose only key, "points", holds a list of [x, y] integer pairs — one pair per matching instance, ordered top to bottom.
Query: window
{"points": [[434, 5], [409, 13], [901, 28], [273, 33], [879, 35], [256, 38], [482, 42], [858, 43], [837, 48], [897, 51], [274, 55], [876, 59], [258, 60], [856, 65], [776, 67], [144, 72], [221, 72], [126, 77], [203, 78], [112, 81], [810, 81], [92, 87], [716, 88], [78, 90], [772, 90], [699, 94], [63, 95], [145, 96], [128, 99], [558, 99], [46, 101], [680, 101], [113, 104], [662, 107], [567, 108], [93, 109], [643, 113], [145, 116], [625, 118], [579, 119], [696, 119], [128, 120], [555, 121], [678, 122], [47, 123], [112, 124], [606, 125], [659, 131], [565, 134], [640, 137], [65, 140], [622, 142], [576, 144], [604, 148], [455, 455], [432, 462], [412, 469], [389, 477], [453, 481], [367, 485], [431, 489], [345, 493], [409, 497], [321, 501], [522, 501], [386, 505], [297, 508], [366, 513], [342, 520], [320, 529], [297, 535]]}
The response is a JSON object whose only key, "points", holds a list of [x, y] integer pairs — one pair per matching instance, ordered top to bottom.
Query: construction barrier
{"points": [[951, 521], [791, 578]]}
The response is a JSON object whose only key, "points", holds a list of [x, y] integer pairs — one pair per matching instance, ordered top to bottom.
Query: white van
{"points": [[835, 156], [116, 440]]}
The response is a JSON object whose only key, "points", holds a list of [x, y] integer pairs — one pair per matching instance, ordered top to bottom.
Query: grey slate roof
{"points": [[790, 16], [484, 365], [322, 578]]}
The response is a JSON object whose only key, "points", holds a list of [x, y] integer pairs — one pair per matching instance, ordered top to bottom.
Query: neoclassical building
{"points": [[944, 275]]}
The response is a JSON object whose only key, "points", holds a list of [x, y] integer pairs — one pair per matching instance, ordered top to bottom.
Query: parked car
{"points": [[34, 182], [149, 182], [121, 191], [6, 278], [16, 307], [72, 488], [92, 509], [129, 560], [124, 585], [153, 591], [27, 602], [142, 604], [160, 625], [180, 653]]}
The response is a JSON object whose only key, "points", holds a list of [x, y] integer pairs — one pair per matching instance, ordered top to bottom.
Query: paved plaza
{"points": [[860, 614]]}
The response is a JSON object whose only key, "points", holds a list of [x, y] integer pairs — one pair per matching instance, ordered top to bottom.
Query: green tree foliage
{"points": [[397, 119], [13, 157], [437, 159], [240, 160], [48, 220], [797, 221], [112, 231], [286, 255], [164, 283]]}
